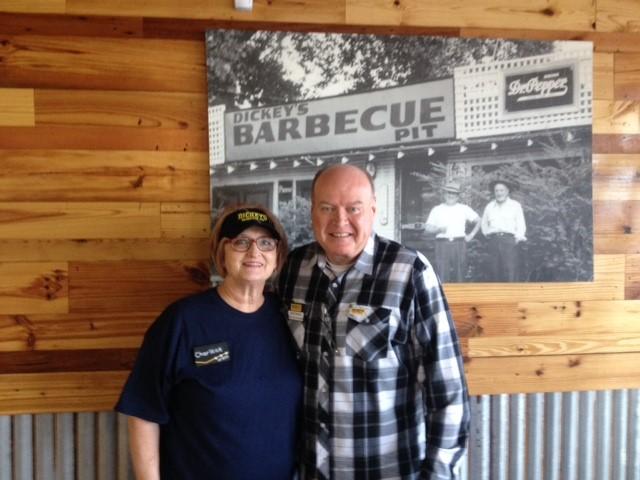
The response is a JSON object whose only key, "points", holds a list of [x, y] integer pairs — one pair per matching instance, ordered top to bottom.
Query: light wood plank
{"points": [[33, 6], [313, 11], [525, 14], [618, 16], [103, 63], [603, 76], [627, 76], [17, 107], [156, 110], [618, 117], [103, 138], [37, 175], [616, 177], [616, 217], [39, 220], [185, 220], [616, 243], [104, 249], [632, 274], [608, 285], [99, 287], [33, 288], [579, 318], [493, 319], [547, 319], [27, 332], [556, 345], [556, 373], [60, 392]]}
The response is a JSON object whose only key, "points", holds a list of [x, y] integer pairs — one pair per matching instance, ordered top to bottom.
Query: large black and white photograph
{"points": [[479, 149]]}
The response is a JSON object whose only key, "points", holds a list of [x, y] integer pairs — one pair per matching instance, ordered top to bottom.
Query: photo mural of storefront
{"points": [[521, 123]]}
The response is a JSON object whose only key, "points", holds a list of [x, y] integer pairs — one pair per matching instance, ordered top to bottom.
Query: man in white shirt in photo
{"points": [[449, 221], [504, 226]]}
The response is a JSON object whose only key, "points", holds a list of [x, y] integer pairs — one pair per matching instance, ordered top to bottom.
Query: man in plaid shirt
{"points": [[385, 395]]}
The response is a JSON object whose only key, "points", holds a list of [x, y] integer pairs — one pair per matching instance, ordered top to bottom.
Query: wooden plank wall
{"points": [[104, 189]]}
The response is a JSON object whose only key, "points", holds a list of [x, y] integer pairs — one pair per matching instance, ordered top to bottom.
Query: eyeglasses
{"points": [[243, 244]]}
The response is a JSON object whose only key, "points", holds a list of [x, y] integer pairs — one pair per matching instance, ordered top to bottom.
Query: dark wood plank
{"points": [[52, 24], [100, 287], [48, 361]]}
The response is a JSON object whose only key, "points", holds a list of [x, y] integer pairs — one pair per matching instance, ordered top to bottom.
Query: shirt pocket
{"points": [[368, 336]]}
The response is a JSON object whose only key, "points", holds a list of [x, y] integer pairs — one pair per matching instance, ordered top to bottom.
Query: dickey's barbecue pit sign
{"points": [[539, 89], [393, 116]]}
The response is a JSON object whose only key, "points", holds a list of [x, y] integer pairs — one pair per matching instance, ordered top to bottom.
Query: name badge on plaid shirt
{"points": [[296, 312], [359, 312]]}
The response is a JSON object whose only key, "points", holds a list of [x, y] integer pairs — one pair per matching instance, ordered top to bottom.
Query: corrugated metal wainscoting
{"points": [[552, 436]]}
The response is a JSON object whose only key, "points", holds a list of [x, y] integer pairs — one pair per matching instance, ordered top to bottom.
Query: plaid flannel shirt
{"points": [[385, 395]]}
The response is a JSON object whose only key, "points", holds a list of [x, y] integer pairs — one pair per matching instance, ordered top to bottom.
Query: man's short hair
{"points": [[330, 167]]}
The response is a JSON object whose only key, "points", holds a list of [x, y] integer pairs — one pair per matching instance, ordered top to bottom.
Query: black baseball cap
{"points": [[241, 219]]}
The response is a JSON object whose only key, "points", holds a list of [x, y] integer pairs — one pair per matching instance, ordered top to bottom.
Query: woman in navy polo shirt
{"points": [[215, 391]]}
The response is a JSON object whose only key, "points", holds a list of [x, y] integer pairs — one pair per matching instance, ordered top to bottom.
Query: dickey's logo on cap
{"points": [[249, 215]]}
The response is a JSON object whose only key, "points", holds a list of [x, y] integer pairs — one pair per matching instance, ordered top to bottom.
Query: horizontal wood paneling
{"points": [[34, 6], [314, 11], [564, 15], [618, 15], [77, 25], [102, 63], [603, 76], [627, 76], [17, 107], [173, 110], [616, 117], [103, 138], [616, 143], [89, 175], [104, 190], [616, 217], [36, 220], [186, 220], [613, 243], [103, 249], [632, 273], [137, 286], [34, 288], [551, 319], [27, 332], [555, 345], [76, 360], [555, 373], [60, 392]]}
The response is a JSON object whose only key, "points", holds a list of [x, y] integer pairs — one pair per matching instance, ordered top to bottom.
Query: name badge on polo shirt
{"points": [[296, 312], [359, 312], [211, 354]]}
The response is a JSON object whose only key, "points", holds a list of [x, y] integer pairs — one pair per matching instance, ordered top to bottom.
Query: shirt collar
{"points": [[364, 263]]}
